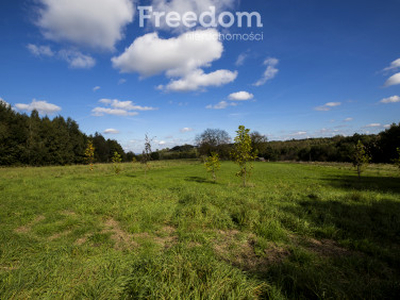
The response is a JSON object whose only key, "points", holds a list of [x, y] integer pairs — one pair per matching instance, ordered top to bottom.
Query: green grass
{"points": [[298, 231]]}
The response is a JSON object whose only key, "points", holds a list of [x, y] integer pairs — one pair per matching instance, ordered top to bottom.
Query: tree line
{"points": [[38, 141]]}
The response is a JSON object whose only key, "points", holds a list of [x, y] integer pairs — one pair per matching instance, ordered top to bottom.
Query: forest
{"points": [[39, 141]]}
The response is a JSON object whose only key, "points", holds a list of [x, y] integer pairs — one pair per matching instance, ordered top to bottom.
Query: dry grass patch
{"points": [[28, 227], [122, 239]]}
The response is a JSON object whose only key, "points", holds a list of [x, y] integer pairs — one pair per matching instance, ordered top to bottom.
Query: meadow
{"points": [[303, 231]]}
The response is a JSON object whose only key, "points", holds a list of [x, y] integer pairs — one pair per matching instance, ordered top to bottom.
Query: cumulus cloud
{"points": [[185, 6], [97, 24], [40, 50], [151, 55], [181, 57], [76, 59], [393, 66], [270, 72], [198, 79], [393, 80], [241, 96], [392, 99], [221, 105], [328, 106], [43, 107], [119, 108], [186, 129], [111, 131]]}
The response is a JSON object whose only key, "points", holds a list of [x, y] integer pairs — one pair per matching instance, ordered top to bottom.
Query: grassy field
{"points": [[299, 231]]}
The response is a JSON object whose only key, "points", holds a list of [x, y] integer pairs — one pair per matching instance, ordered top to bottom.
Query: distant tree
{"points": [[213, 140], [259, 142], [243, 154], [89, 155], [146, 155], [116, 159], [360, 159], [212, 165]]}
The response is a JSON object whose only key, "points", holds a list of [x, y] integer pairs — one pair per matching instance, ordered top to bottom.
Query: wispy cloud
{"points": [[40, 50], [241, 59], [77, 60], [393, 66], [270, 72], [96, 88], [221, 105], [327, 106], [348, 119], [186, 129]]}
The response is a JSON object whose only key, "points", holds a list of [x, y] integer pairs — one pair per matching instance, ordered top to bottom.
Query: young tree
{"points": [[243, 153], [89, 155], [146, 155], [116, 159], [360, 159], [397, 160], [212, 165]]}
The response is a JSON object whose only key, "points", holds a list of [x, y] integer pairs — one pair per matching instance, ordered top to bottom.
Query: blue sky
{"points": [[322, 68]]}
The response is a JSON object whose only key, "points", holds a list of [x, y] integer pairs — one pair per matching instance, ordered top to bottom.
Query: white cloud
{"points": [[184, 6], [92, 23], [40, 50], [150, 55], [182, 57], [76, 59], [240, 60], [393, 66], [270, 72], [198, 79], [394, 80], [121, 81], [96, 88], [241, 96], [392, 99], [126, 105], [221, 105], [41, 106], [328, 106], [119, 108], [101, 111], [348, 119], [373, 125], [387, 126], [186, 129], [111, 131], [299, 133]]}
